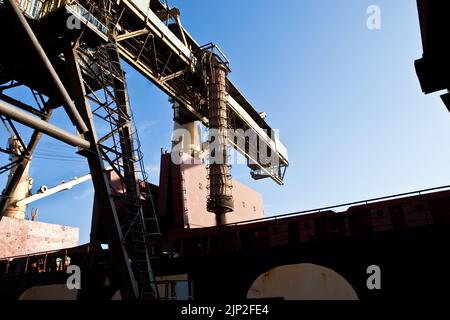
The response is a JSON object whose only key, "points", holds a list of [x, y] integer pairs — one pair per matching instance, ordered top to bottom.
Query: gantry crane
{"points": [[68, 54]]}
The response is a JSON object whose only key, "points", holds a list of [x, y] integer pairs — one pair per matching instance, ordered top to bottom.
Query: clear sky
{"points": [[345, 99]]}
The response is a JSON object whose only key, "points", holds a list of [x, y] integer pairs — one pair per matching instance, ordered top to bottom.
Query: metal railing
{"points": [[38, 9], [87, 16], [344, 205], [49, 261]]}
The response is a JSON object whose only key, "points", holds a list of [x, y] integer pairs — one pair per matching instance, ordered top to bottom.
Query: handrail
{"points": [[37, 9], [318, 210], [42, 253]]}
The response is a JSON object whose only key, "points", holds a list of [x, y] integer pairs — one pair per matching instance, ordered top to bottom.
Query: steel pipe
{"points": [[69, 106], [27, 119], [220, 198]]}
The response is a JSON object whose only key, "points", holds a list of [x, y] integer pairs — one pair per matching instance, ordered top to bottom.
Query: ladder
{"points": [[120, 148]]}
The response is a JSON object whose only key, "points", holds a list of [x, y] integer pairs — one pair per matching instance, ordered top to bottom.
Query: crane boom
{"points": [[151, 39], [188, 53], [48, 192]]}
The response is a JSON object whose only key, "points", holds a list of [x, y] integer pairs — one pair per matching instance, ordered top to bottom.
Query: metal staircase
{"points": [[118, 149]]}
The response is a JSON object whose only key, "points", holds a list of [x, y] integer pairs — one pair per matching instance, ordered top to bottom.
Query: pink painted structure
{"points": [[183, 192], [180, 201], [21, 237]]}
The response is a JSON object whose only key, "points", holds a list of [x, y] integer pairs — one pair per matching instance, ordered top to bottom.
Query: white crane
{"points": [[45, 192]]}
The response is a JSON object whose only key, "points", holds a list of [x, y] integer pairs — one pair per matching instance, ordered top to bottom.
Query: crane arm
{"points": [[44, 192]]}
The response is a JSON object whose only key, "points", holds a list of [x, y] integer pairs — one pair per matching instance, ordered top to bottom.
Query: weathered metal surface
{"points": [[170, 59], [184, 59], [68, 103], [42, 126], [20, 170], [23, 186], [182, 194], [220, 198], [248, 203], [107, 220], [360, 220], [21, 237], [224, 262]]}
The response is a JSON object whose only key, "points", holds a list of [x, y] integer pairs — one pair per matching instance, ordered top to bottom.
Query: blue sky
{"points": [[345, 99]]}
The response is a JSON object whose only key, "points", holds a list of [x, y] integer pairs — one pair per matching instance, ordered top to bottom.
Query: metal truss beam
{"points": [[132, 35], [150, 74], [172, 76], [12, 84], [192, 98], [68, 103], [21, 105], [25, 118], [11, 187], [109, 221]]}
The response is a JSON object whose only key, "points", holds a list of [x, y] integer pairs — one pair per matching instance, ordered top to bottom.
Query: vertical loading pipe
{"points": [[69, 106], [220, 198]]}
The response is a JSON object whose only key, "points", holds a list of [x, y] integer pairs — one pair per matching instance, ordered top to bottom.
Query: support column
{"points": [[186, 136], [21, 170], [23, 185], [220, 199], [110, 224]]}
